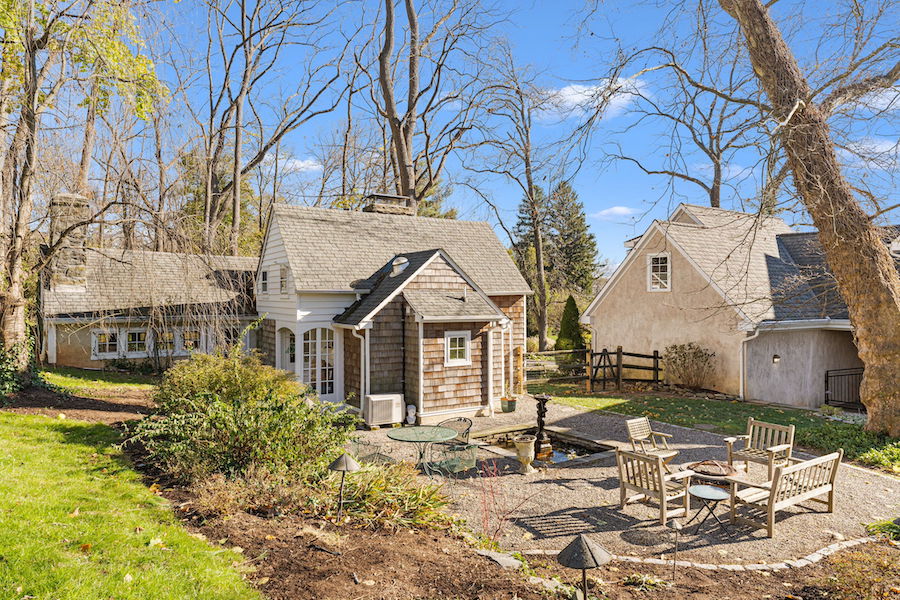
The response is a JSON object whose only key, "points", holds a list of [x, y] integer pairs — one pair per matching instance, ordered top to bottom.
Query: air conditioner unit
{"points": [[383, 409]]}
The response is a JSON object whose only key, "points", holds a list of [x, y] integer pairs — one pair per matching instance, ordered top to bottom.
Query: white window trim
{"points": [[668, 258], [284, 274], [264, 282], [148, 342], [176, 347], [95, 354], [458, 362]]}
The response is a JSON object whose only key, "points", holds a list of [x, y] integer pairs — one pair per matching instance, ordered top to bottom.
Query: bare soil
{"points": [[112, 406]]}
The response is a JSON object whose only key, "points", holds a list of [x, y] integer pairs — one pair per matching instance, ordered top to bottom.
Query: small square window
{"points": [[659, 273], [264, 281], [190, 339], [137, 341], [165, 341], [107, 343], [457, 351]]}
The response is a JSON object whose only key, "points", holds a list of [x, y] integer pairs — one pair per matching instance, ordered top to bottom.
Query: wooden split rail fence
{"points": [[597, 368]]}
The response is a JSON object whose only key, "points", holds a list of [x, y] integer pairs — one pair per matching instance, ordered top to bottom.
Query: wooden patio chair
{"points": [[654, 443], [765, 443], [646, 475], [804, 480]]}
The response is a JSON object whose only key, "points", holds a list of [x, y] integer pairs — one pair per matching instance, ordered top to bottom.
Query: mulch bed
{"points": [[114, 407]]}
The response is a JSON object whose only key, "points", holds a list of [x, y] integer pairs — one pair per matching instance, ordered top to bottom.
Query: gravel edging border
{"points": [[807, 560]]}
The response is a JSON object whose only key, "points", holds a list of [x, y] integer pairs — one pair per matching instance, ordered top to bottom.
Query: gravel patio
{"points": [[544, 510]]}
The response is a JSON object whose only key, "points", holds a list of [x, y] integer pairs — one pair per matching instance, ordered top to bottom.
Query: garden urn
{"points": [[508, 405], [525, 452]]}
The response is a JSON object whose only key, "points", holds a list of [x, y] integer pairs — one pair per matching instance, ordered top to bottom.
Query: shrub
{"points": [[570, 335], [531, 344], [689, 364], [10, 379], [231, 415], [864, 446], [888, 529]]}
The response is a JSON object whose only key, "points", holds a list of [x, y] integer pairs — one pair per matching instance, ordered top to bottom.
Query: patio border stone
{"points": [[807, 560]]}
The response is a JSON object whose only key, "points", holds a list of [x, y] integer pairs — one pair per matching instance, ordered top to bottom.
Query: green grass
{"points": [[88, 383], [730, 417], [77, 523]]}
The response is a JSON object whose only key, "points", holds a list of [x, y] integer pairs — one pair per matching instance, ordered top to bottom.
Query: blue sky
{"points": [[568, 49]]}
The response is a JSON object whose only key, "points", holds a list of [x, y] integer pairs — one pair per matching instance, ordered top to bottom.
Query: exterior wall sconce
{"points": [[776, 359]]}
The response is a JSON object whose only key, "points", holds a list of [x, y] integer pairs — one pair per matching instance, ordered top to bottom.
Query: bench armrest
{"points": [[666, 435], [734, 438], [778, 448], [679, 475], [739, 481]]}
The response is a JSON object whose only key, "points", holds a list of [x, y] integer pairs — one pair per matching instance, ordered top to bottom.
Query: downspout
{"points": [[743, 359], [363, 366], [490, 367], [420, 401]]}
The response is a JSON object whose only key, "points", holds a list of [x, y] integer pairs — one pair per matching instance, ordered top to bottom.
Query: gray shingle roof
{"points": [[336, 249], [124, 281], [383, 284], [445, 304]]}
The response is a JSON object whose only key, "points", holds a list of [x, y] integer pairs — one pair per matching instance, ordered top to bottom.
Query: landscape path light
{"points": [[345, 464], [583, 554]]}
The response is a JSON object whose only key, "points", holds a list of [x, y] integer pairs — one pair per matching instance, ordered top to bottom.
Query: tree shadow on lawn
{"points": [[42, 401], [102, 440]]}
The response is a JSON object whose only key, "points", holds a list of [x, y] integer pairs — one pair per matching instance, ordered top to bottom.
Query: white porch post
{"points": [[50, 340]]}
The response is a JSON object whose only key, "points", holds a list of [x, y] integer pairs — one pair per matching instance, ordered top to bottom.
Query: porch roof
{"points": [[451, 305]]}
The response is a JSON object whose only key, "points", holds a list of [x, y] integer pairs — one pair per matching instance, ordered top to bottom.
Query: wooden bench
{"points": [[643, 439], [765, 443], [646, 475], [805, 480]]}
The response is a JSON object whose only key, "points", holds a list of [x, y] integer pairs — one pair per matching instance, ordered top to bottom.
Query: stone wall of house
{"points": [[265, 340], [386, 350], [352, 364], [453, 387]]}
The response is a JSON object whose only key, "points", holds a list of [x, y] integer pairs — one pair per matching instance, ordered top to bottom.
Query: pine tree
{"points": [[573, 254], [570, 335]]}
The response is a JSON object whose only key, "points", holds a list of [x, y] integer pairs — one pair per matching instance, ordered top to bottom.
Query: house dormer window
{"points": [[659, 272], [282, 279], [264, 282], [457, 350]]}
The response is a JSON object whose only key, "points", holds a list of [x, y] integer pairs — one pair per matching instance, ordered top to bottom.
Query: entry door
{"points": [[317, 369]]}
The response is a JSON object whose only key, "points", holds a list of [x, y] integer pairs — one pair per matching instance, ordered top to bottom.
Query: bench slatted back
{"points": [[638, 429], [763, 435], [641, 471], [808, 478]]}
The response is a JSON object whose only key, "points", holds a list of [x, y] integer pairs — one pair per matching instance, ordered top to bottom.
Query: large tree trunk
{"points": [[83, 185], [856, 253]]}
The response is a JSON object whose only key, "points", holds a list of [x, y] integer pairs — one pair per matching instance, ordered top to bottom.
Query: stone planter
{"points": [[508, 405], [525, 452]]}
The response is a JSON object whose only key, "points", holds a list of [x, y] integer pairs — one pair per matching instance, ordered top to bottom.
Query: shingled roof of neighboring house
{"points": [[338, 250], [134, 281], [430, 303]]}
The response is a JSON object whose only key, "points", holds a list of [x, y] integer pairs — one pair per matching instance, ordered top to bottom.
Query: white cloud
{"points": [[580, 100], [882, 100], [872, 153], [293, 165], [729, 170], [615, 213]]}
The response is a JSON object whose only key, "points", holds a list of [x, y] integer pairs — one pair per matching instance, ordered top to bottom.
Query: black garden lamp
{"points": [[345, 464], [583, 554]]}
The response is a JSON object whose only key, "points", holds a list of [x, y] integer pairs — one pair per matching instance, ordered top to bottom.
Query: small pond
{"points": [[563, 450]]}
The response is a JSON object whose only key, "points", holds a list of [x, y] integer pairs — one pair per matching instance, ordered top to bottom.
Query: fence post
{"points": [[604, 356], [656, 367], [589, 368], [619, 368]]}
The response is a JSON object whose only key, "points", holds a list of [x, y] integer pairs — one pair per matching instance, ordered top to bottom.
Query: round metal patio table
{"points": [[422, 436], [710, 495]]}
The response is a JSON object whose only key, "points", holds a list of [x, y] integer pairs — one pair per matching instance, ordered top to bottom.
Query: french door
{"points": [[317, 367]]}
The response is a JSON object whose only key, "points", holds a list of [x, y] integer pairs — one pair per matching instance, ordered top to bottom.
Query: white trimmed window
{"points": [[659, 272], [282, 279], [264, 282], [190, 339], [164, 341], [136, 342], [105, 344], [457, 348]]}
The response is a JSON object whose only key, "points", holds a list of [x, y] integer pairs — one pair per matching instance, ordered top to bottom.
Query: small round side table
{"points": [[710, 496]]}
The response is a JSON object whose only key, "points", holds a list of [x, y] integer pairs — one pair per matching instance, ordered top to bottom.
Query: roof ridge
{"points": [[376, 215], [163, 252]]}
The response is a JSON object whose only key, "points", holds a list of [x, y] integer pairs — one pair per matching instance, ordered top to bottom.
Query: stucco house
{"points": [[749, 288], [101, 306], [391, 313]]}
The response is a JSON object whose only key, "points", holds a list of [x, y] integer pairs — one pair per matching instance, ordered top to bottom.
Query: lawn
{"points": [[89, 383], [730, 417], [77, 523]]}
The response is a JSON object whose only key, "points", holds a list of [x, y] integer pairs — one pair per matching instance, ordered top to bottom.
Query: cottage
{"points": [[749, 288], [102, 307], [390, 313]]}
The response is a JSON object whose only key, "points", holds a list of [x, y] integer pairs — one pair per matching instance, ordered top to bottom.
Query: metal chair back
{"points": [[461, 425]]}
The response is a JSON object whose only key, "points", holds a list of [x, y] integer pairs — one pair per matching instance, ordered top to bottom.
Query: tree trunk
{"points": [[236, 177], [83, 186], [856, 253]]}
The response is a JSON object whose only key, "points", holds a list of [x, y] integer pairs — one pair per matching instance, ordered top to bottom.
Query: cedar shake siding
{"points": [[514, 308], [267, 341], [411, 341], [386, 350], [352, 360], [453, 387]]}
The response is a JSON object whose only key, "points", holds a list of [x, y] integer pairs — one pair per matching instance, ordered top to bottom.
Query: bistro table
{"points": [[422, 436], [710, 496]]}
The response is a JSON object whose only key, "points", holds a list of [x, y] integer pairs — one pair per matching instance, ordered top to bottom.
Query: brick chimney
{"points": [[388, 204], [68, 265]]}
